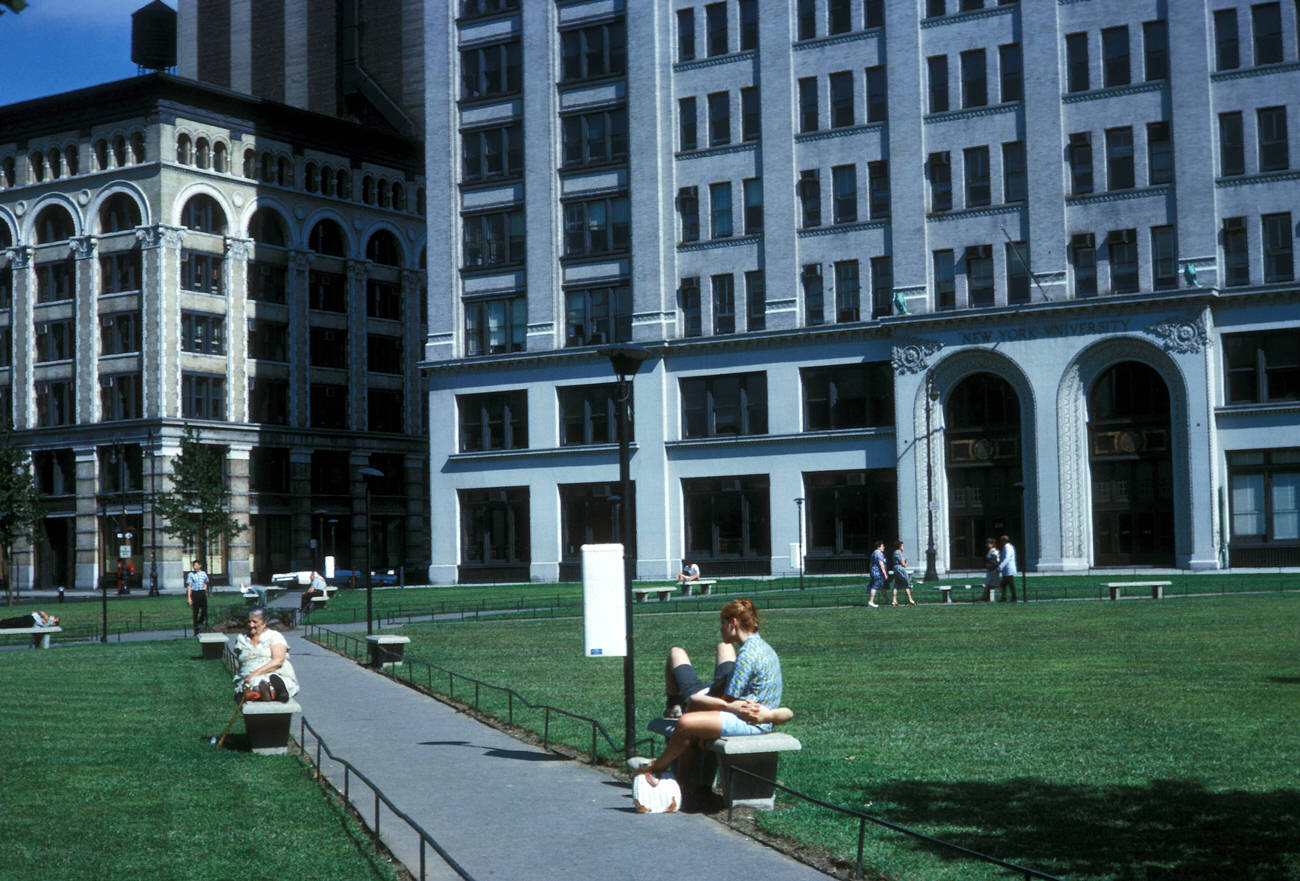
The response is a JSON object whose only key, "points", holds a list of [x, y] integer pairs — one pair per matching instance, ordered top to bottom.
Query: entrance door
{"points": [[983, 468], [1132, 473], [55, 553]]}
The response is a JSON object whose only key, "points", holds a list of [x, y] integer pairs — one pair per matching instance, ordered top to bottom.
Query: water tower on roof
{"points": [[153, 38]]}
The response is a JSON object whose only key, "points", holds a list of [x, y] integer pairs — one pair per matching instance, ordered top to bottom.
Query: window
{"points": [[934, 8], [839, 17], [807, 19], [715, 23], [748, 25], [1266, 27], [685, 35], [1155, 49], [593, 51], [1227, 56], [1076, 62], [937, 66], [1115, 68], [1011, 69], [488, 71], [974, 79], [877, 97], [841, 99], [808, 116], [719, 118], [751, 120], [686, 124], [1232, 147], [1273, 147], [1080, 152], [498, 153], [1160, 154], [1119, 158], [1014, 181], [844, 182], [940, 182], [978, 188], [878, 189], [810, 197], [753, 206], [688, 209], [202, 214], [720, 225], [597, 226], [494, 239], [1122, 253], [1017, 254], [1083, 259], [1236, 259], [1164, 260], [1278, 264], [120, 271], [202, 273], [979, 275], [56, 280], [945, 280], [268, 282], [882, 286], [6, 287], [326, 291], [848, 292], [813, 295], [383, 299], [755, 300], [724, 304], [598, 315], [692, 317], [495, 326], [119, 333], [203, 334], [56, 340], [268, 340], [329, 347], [383, 353], [1262, 367], [203, 396], [848, 396], [120, 397], [268, 402], [54, 403], [329, 405], [721, 406], [384, 412], [588, 414], [494, 421], [56, 470], [1265, 490], [846, 511], [589, 514], [728, 518], [494, 527]]}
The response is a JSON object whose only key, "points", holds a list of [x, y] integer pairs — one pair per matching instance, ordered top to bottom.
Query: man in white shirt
{"points": [[1007, 568]]}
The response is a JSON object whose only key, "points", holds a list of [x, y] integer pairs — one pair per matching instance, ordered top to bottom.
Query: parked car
{"points": [[343, 577], [287, 578]]}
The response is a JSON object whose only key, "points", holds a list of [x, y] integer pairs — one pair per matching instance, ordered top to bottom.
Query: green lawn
{"points": [[1094, 740], [108, 774]]}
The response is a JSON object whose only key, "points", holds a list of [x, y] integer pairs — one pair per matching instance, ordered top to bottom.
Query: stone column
{"points": [[237, 253], [356, 292], [160, 316], [412, 342], [86, 366], [22, 372], [299, 389], [300, 494], [417, 516], [360, 541], [88, 548], [237, 553]]}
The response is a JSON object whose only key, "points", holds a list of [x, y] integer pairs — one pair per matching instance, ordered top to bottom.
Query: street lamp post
{"points": [[626, 361], [931, 395], [367, 472], [798, 506], [153, 522]]}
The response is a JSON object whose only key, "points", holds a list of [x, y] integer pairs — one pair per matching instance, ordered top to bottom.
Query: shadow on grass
{"points": [[1285, 680], [520, 755], [1168, 830]]}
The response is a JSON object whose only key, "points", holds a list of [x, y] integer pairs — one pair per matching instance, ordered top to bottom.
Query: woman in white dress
{"points": [[264, 665]]}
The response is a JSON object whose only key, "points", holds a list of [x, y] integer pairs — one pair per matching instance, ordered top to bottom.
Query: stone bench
{"points": [[699, 587], [1117, 588], [945, 590], [640, 593], [318, 603], [40, 635], [212, 646], [386, 650], [268, 724], [756, 753]]}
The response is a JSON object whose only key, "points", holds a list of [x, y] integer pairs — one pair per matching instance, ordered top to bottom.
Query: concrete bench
{"points": [[699, 587], [1117, 588], [945, 590], [640, 593], [318, 603], [40, 635], [212, 646], [386, 650], [268, 724], [755, 753]]}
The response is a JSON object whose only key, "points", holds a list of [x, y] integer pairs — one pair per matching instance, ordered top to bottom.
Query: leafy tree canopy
{"points": [[197, 506]]}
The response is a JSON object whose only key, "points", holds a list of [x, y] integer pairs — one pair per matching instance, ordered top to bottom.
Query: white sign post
{"points": [[604, 618]]}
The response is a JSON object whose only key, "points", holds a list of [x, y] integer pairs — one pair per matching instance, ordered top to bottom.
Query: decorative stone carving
{"points": [[160, 236], [83, 247], [238, 249], [20, 256], [300, 261], [357, 270], [1181, 336], [913, 357]]}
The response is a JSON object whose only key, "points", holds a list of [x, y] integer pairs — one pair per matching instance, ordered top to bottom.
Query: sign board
{"points": [[124, 551], [796, 556], [329, 567], [604, 606]]}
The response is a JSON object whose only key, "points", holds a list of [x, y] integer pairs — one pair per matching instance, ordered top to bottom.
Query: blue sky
{"points": [[59, 45]]}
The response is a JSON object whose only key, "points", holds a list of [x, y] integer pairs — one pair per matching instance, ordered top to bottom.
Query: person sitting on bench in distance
{"points": [[690, 572], [315, 589], [32, 619], [264, 666], [747, 702]]}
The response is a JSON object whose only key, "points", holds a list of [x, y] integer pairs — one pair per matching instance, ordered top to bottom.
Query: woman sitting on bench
{"points": [[33, 619], [264, 667], [745, 697]]}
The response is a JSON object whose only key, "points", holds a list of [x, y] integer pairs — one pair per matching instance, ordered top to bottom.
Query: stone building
{"points": [[173, 254]]}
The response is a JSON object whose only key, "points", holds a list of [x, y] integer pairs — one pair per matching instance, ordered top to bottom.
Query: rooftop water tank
{"points": [[153, 36]]}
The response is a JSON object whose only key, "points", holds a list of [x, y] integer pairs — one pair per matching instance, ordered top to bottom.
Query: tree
{"points": [[20, 503], [196, 510]]}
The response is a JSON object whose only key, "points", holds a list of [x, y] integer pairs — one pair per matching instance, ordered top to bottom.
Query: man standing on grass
{"points": [[1007, 568], [196, 594]]}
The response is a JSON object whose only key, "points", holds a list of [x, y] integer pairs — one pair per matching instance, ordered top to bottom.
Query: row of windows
{"points": [[940, 8], [839, 16], [1266, 36], [714, 38], [1116, 60], [975, 78], [843, 106], [719, 132], [590, 138], [1273, 144], [54, 162], [1121, 169], [977, 176], [721, 218], [977, 267], [847, 292]]}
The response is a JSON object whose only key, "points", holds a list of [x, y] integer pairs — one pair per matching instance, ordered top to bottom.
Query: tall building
{"points": [[174, 254], [928, 269]]}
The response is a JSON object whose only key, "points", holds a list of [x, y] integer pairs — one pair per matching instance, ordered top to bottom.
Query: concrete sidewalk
{"points": [[500, 808]]}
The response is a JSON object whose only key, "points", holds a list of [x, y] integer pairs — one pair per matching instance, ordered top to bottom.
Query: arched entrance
{"points": [[1132, 471], [985, 490]]}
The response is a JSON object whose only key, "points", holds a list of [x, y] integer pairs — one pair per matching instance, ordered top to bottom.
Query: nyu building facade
{"points": [[1022, 268]]}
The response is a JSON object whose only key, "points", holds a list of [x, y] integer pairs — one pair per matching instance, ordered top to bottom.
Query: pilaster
{"points": [[237, 253], [160, 261], [357, 272], [412, 303], [24, 342], [86, 366], [299, 390], [300, 495], [416, 517], [88, 545], [237, 554]]}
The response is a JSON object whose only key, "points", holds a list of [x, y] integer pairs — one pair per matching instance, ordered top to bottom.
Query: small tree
{"points": [[20, 503], [196, 510]]}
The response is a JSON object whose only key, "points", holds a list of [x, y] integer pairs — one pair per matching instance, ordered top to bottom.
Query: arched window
{"points": [[137, 148], [119, 151], [202, 153], [101, 155], [183, 155], [219, 157], [55, 159], [71, 159], [37, 161], [250, 163], [7, 172], [283, 172], [327, 180], [310, 182], [368, 190], [399, 197], [119, 212], [202, 214], [54, 224], [266, 227], [327, 238], [6, 239], [383, 248]]}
